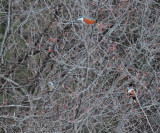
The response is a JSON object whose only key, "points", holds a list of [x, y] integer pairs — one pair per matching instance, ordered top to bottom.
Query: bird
{"points": [[87, 21], [50, 86], [131, 93]]}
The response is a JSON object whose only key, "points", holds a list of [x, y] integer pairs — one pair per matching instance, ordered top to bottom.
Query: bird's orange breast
{"points": [[89, 21], [132, 92]]}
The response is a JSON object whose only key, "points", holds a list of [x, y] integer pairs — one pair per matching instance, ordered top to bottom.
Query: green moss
{"points": [[25, 26], [15, 27], [2, 28], [22, 42], [8, 55], [37, 58], [22, 75], [1, 97]]}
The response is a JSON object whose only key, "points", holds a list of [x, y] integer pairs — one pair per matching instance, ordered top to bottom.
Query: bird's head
{"points": [[80, 19]]}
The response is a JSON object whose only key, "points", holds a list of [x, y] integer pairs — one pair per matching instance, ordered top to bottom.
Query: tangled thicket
{"points": [[90, 66]]}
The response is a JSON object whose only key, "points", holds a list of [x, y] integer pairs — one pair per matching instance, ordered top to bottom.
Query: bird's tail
{"points": [[134, 100]]}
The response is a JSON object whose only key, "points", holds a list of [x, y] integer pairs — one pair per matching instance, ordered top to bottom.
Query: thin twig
{"points": [[7, 29], [13, 82], [144, 113]]}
